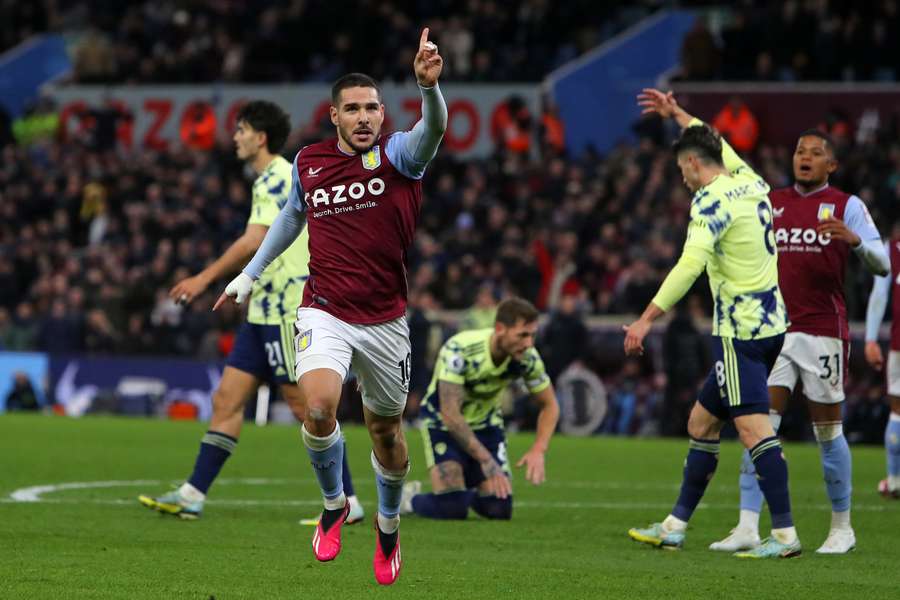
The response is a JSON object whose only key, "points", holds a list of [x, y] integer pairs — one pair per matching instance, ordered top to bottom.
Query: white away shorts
{"points": [[378, 354], [817, 361], [893, 373]]}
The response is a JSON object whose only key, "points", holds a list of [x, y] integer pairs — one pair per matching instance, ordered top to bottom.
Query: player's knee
{"points": [[225, 404], [318, 420], [699, 430], [385, 435], [492, 507]]}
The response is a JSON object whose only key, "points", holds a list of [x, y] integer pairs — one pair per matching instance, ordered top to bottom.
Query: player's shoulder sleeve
{"points": [[399, 154], [270, 192], [295, 195], [709, 219], [859, 221], [452, 365], [535, 377]]}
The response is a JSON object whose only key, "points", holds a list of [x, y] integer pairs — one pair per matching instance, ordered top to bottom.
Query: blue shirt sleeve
{"points": [[398, 153], [295, 196], [857, 218]]}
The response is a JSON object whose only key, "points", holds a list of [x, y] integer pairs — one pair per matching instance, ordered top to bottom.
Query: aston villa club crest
{"points": [[371, 160], [826, 211], [304, 339]]}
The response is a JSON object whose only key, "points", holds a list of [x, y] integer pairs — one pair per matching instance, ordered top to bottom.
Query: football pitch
{"points": [[77, 531]]}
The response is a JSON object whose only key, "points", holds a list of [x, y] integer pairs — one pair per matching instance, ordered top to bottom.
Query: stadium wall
{"points": [[162, 113]]}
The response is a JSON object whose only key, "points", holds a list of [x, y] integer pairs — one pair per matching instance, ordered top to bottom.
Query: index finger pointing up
{"points": [[424, 39]]}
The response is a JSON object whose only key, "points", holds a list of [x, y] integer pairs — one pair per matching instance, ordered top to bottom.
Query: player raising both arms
{"points": [[360, 196], [816, 227], [730, 235], [882, 291], [263, 350], [462, 428]]}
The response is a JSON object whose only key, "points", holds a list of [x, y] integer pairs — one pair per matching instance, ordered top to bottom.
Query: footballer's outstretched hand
{"points": [[428, 63], [654, 101], [189, 288], [239, 289], [634, 337], [874, 356], [533, 461]]}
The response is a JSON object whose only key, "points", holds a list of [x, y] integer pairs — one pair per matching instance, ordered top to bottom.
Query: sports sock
{"points": [[215, 448], [892, 449], [326, 456], [702, 459], [836, 464], [771, 469], [345, 474], [390, 487], [751, 495], [449, 505], [492, 507], [388, 532]]}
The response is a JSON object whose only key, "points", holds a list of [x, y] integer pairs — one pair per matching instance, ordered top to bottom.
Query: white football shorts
{"points": [[378, 354], [817, 361], [893, 373]]}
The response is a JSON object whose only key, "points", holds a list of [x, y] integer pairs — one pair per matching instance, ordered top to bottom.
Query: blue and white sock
{"points": [[892, 449], [327, 456], [837, 468], [390, 490]]}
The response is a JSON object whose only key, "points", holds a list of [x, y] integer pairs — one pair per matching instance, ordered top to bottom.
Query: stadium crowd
{"points": [[776, 40], [269, 41], [91, 241]]}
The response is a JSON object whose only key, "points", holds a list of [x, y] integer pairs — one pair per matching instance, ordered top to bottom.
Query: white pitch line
{"points": [[35, 494]]}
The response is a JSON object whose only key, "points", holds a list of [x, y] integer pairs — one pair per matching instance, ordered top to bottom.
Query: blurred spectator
{"points": [[699, 54], [95, 60], [39, 123], [738, 125], [511, 126], [483, 312], [563, 340], [686, 359], [22, 396]]}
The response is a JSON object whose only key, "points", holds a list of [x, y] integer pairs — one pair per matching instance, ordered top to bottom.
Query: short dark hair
{"points": [[353, 80], [268, 118], [701, 140], [829, 143], [512, 310]]}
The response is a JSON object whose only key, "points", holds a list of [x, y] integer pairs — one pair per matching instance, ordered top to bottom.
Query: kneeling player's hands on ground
{"points": [[239, 289], [533, 461], [496, 481]]}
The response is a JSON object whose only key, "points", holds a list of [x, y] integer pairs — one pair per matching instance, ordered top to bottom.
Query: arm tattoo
{"points": [[451, 395]]}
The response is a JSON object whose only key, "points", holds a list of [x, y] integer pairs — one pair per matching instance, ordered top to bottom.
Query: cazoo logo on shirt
{"points": [[338, 194], [796, 236]]}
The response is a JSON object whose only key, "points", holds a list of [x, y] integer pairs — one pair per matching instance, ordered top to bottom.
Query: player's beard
{"points": [[347, 136]]}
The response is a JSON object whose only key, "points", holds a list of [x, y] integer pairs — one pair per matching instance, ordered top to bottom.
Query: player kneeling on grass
{"points": [[462, 428]]}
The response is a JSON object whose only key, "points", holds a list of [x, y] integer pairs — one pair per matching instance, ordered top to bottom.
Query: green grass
{"points": [[566, 540]]}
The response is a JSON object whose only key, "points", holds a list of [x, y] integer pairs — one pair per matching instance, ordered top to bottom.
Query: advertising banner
{"points": [[163, 114], [132, 385]]}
